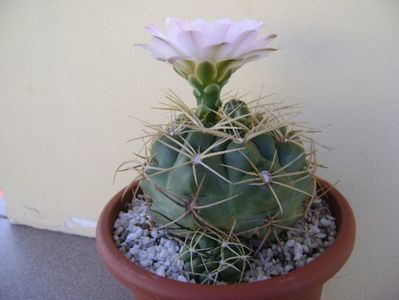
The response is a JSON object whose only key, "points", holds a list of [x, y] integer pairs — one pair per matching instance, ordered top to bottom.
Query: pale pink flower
{"points": [[226, 44]]}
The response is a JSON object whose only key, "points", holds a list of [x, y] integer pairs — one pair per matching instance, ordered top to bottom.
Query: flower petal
{"points": [[181, 24], [199, 25], [247, 25], [173, 28], [154, 30], [218, 33], [264, 41], [190, 43], [243, 43], [163, 48], [258, 52], [216, 53]]}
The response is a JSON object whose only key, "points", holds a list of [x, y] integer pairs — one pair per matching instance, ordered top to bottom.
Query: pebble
{"points": [[298, 251], [159, 253]]}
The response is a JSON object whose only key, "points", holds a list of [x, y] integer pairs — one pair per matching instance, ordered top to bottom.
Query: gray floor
{"points": [[40, 264]]}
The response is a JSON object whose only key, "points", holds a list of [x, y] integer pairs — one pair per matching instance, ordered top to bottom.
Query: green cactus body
{"points": [[199, 179], [229, 199], [210, 260]]}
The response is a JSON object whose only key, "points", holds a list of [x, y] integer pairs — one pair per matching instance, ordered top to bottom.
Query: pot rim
{"points": [[309, 276]]}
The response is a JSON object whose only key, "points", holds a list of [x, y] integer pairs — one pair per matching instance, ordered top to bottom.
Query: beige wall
{"points": [[70, 76]]}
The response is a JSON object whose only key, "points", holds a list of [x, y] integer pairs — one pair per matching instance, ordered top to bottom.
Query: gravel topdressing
{"points": [[138, 239]]}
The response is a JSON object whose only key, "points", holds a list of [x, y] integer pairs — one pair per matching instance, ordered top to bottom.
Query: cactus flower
{"points": [[224, 43], [207, 53]]}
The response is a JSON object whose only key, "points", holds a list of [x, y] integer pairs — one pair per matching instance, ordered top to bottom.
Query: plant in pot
{"points": [[227, 204]]}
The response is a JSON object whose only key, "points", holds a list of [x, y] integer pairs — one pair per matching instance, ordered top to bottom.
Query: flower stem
{"points": [[208, 103]]}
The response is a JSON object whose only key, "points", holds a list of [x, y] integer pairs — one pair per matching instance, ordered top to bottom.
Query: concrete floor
{"points": [[40, 264]]}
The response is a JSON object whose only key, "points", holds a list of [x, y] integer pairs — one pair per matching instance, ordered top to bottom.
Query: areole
{"points": [[305, 283]]}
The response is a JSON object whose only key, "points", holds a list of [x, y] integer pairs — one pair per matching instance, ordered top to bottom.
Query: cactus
{"points": [[225, 177], [248, 178]]}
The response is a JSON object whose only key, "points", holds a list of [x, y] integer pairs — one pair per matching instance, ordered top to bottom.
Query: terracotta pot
{"points": [[305, 283]]}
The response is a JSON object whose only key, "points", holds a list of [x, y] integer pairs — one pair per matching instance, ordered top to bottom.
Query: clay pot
{"points": [[305, 283]]}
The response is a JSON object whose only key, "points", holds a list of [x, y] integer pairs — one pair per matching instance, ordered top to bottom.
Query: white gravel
{"points": [[155, 250]]}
